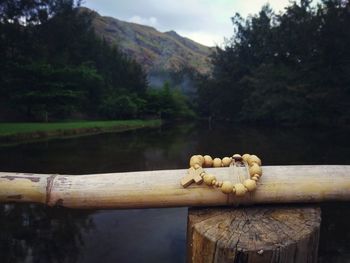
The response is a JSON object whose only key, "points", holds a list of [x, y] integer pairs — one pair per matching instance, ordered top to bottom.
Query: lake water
{"points": [[33, 233]]}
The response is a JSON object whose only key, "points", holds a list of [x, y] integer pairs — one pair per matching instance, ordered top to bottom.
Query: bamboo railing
{"points": [[279, 184]]}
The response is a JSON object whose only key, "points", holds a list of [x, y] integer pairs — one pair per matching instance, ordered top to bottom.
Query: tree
{"points": [[53, 64], [290, 68], [44, 91], [168, 103]]}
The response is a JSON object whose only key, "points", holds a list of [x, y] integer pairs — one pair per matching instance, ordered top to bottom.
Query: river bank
{"points": [[29, 131]]}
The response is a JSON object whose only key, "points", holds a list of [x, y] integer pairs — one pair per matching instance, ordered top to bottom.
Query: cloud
{"points": [[150, 21], [205, 21]]}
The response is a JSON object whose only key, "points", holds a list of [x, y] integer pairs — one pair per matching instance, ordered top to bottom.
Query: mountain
{"points": [[155, 50]]}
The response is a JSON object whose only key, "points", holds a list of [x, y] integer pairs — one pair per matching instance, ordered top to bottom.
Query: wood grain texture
{"points": [[279, 184], [257, 234]]}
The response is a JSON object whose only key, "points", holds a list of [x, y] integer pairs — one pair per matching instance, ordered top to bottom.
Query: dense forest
{"points": [[54, 67], [288, 68]]}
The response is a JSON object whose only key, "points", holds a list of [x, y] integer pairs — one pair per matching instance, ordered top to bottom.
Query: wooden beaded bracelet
{"points": [[198, 175]]}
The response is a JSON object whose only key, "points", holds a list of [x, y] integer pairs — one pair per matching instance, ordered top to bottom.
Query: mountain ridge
{"points": [[154, 50]]}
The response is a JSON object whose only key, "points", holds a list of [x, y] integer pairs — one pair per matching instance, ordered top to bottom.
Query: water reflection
{"points": [[170, 147], [32, 233], [335, 233], [35, 234], [152, 235]]}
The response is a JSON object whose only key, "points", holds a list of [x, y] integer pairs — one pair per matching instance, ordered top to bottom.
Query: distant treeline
{"points": [[54, 67], [289, 68]]}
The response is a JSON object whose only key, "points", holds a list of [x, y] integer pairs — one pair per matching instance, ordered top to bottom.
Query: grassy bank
{"points": [[17, 132]]}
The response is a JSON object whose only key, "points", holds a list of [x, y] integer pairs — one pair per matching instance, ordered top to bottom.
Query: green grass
{"points": [[32, 127]]}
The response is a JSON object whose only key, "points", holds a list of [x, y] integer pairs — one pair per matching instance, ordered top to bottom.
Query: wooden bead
{"points": [[237, 157], [245, 157], [201, 159], [254, 159], [195, 160], [208, 161], [226, 161], [217, 162], [255, 169], [255, 178], [208, 179], [213, 182], [217, 184], [249, 184], [227, 187], [240, 189]]}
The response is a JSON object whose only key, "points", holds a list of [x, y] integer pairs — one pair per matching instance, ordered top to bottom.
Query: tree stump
{"points": [[256, 234]]}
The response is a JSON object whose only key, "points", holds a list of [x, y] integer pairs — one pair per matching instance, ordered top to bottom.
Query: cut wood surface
{"points": [[279, 184], [271, 234]]}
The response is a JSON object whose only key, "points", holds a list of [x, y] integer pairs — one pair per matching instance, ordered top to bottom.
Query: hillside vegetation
{"points": [[154, 50]]}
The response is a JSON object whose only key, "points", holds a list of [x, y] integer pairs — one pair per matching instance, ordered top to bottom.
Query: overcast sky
{"points": [[205, 21]]}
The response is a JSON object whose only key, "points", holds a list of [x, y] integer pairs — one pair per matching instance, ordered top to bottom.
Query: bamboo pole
{"points": [[279, 184]]}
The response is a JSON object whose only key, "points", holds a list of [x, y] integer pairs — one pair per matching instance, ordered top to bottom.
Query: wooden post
{"points": [[273, 234]]}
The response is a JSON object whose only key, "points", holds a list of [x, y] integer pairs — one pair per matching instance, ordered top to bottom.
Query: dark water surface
{"points": [[33, 233]]}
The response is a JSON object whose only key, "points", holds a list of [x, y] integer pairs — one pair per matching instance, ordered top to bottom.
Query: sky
{"points": [[205, 21]]}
